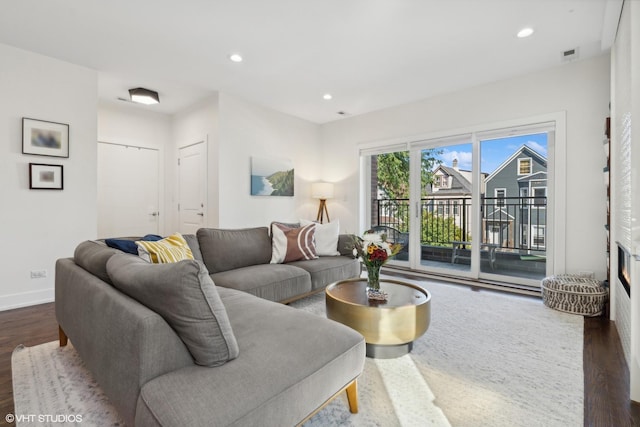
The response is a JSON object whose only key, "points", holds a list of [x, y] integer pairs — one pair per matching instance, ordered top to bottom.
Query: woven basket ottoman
{"points": [[574, 294]]}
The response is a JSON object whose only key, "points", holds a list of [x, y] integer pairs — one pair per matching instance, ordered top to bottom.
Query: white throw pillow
{"points": [[326, 237]]}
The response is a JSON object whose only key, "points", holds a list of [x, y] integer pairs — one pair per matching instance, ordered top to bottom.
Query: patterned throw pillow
{"points": [[292, 244], [170, 249]]}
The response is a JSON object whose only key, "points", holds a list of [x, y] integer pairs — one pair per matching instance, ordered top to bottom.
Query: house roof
{"points": [[537, 176], [459, 184], [500, 215]]}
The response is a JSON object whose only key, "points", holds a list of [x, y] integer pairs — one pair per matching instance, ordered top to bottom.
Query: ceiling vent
{"points": [[570, 55]]}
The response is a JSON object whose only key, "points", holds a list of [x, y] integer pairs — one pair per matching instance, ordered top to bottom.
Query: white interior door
{"points": [[192, 186], [128, 190]]}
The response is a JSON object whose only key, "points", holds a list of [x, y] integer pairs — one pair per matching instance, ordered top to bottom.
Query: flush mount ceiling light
{"points": [[525, 32], [235, 57], [144, 96], [327, 96]]}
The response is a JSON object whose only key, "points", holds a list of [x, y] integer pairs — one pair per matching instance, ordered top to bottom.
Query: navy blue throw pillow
{"points": [[129, 246]]}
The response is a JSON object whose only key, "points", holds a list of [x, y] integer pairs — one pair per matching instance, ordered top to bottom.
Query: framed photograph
{"points": [[45, 138], [45, 177], [271, 177]]}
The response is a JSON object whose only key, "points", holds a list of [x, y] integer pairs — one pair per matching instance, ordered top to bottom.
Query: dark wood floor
{"points": [[29, 326], [606, 375]]}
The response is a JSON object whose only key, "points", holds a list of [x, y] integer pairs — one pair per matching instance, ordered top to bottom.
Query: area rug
{"points": [[488, 359]]}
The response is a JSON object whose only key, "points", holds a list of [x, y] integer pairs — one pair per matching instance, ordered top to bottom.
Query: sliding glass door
{"points": [[443, 205], [514, 205], [471, 206]]}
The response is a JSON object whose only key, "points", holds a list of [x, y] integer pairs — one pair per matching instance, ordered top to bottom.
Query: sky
{"points": [[492, 152], [265, 166]]}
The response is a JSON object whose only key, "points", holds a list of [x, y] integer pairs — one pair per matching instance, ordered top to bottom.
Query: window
{"points": [[524, 166], [490, 173], [440, 181], [500, 194], [524, 197], [539, 197], [441, 208], [524, 236], [537, 236]]}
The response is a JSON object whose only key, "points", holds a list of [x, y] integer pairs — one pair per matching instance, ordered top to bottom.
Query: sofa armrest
{"points": [[345, 245], [122, 343]]}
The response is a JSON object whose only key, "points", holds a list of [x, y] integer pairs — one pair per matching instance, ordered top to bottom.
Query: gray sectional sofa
{"points": [[287, 364]]}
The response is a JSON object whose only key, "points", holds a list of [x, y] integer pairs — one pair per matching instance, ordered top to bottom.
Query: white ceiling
{"points": [[369, 54]]}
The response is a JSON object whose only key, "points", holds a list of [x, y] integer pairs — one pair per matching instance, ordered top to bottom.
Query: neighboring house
{"points": [[450, 194], [515, 202]]}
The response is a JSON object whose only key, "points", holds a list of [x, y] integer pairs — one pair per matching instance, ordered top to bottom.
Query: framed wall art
{"points": [[44, 138], [45, 177], [271, 177]]}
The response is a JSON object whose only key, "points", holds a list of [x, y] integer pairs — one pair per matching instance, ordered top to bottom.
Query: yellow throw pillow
{"points": [[170, 249]]}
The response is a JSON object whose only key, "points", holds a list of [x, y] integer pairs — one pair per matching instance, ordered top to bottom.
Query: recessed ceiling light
{"points": [[525, 32], [235, 57], [327, 96]]}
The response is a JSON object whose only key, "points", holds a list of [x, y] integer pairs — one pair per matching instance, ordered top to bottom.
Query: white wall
{"points": [[580, 89], [123, 123], [126, 124], [248, 130], [40, 226]]}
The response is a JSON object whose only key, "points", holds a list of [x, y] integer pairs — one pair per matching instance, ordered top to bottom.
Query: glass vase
{"points": [[373, 278], [374, 294]]}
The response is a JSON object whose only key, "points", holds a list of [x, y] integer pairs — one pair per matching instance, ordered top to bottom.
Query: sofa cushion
{"points": [[326, 237], [192, 241], [292, 244], [170, 249], [224, 250], [93, 255], [329, 269], [275, 282], [185, 296], [291, 362]]}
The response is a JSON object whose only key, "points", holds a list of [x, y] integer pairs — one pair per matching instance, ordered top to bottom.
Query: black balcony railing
{"points": [[506, 222]]}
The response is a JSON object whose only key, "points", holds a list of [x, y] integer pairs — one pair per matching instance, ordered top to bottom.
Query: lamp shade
{"points": [[322, 190]]}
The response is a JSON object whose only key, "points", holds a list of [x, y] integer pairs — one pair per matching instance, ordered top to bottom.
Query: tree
{"points": [[393, 172], [439, 230]]}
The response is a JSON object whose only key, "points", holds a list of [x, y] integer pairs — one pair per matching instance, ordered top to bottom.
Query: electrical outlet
{"points": [[38, 274]]}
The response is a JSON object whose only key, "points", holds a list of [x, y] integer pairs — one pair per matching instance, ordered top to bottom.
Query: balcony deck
{"points": [[513, 235]]}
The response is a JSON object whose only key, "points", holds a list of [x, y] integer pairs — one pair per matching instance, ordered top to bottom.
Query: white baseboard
{"points": [[26, 299]]}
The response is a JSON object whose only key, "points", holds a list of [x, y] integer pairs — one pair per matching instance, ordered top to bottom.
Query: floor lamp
{"points": [[322, 191]]}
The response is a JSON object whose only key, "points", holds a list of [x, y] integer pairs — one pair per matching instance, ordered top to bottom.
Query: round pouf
{"points": [[574, 294]]}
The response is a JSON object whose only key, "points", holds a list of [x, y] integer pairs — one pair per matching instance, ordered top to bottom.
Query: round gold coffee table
{"points": [[389, 328]]}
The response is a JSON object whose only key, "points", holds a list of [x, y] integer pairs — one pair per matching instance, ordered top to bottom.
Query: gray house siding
{"points": [[516, 222]]}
